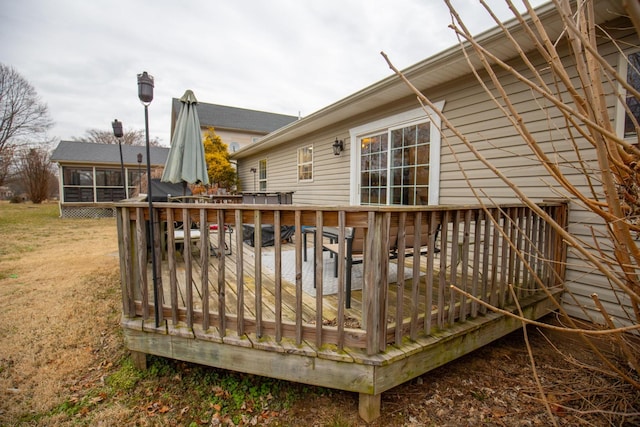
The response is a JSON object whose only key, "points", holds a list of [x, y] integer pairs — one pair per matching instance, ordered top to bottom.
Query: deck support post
{"points": [[139, 360], [369, 406]]}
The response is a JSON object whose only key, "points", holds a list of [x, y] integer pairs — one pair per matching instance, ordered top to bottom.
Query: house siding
{"points": [[471, 111]]}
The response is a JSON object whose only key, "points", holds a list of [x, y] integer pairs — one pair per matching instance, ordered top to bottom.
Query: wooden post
{"points": [[139, 360], [369, 406]]}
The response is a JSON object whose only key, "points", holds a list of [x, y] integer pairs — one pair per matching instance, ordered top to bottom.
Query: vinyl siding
{"points": [[474, 114], [330, 183]]}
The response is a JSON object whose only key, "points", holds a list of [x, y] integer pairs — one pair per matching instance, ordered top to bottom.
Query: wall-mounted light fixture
{"points": [[337, 146]]}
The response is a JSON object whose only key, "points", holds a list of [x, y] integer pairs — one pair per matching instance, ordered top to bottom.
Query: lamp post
{"points": [[145, 94], [117, 132], [139, 174]]}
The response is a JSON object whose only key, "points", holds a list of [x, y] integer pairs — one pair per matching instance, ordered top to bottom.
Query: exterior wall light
{"points": [[337, 146]]}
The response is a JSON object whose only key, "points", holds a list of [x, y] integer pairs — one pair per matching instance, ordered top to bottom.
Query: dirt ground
{"points": [[60, 343]]}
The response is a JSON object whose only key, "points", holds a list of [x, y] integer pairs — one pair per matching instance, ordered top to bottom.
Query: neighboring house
{"points": [[237, 127], [394, 154], [90, 175], [5, 193]]}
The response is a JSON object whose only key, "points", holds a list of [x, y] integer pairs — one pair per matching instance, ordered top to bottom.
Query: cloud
{"points": [[283, 56]]}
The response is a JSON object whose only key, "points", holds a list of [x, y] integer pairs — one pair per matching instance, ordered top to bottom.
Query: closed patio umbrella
{"points": [[186, 162]]}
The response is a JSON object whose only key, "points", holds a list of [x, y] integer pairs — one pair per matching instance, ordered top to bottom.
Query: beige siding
{"points": [[476, 116], [242, 138], [330, 184]]}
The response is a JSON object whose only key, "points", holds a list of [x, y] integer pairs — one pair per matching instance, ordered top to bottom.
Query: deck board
{"points": [[288, 293]]}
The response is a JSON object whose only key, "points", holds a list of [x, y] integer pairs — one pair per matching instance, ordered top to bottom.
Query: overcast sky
{"points": [[284, 56]]}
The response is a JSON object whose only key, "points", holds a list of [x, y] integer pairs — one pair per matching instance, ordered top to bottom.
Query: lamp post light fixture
{"points": [[145, 94], [117, 132], [337, 146], [139, 174]]}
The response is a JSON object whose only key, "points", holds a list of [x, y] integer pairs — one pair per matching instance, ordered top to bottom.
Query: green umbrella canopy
{"points": [[186, 162]]}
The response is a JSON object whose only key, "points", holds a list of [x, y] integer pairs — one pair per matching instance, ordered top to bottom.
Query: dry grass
{"points": [[56, 276]]}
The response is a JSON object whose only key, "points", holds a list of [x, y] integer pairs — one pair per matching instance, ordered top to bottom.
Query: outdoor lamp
{"points": [[145, 87], [145, 94], [117, 128], [117, 132], [338, 146], [253, 171], [139, 173]]}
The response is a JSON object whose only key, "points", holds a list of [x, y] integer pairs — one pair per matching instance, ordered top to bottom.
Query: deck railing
{"points": [[494, 254]]}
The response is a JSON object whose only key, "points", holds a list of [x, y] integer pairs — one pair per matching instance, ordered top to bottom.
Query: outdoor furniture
{"points": [[267, 198], [228, 230], [330, 232], [268, 234], [354, 250], [354, 254]]}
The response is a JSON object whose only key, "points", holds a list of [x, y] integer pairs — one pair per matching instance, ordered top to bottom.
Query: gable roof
{"points": [[429, 73], [233, 118], [106, 154]]}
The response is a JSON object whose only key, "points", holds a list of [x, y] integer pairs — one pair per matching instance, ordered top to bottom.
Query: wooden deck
{"points": [[256, 310]]}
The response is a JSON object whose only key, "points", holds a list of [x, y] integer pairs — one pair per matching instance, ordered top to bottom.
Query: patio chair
{"points": [[410, 238], [354, 254]]}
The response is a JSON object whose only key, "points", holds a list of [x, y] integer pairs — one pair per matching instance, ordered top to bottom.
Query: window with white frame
{"points": [[633, 103], [396, 160], [305, 163], [262, 174]]}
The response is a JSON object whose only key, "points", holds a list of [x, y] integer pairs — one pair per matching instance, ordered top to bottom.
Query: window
{"points": [[633, 78], [397, 160], [305, 163], [262, 175], [135, 181], [78, 184], [93, 184], [109, 185]]}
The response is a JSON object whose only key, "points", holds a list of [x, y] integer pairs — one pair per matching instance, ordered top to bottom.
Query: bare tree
{"points": [[22, 115], [129, 137], [34, 169], [605, 182]]}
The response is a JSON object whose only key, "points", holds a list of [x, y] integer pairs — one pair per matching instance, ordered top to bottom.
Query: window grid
{"points": [[633, 78], [305, 163], [396, 172], [262, 174]]}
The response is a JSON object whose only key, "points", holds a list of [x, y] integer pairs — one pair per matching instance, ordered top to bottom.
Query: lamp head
{"points": [[145, 87], [117, 128], [337, 146], [139, 157]]}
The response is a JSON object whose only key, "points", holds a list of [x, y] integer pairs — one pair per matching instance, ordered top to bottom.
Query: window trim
{"points": [[620, 117], [407, 118], [298, 164], [266, 174]]}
